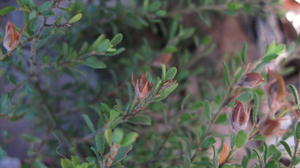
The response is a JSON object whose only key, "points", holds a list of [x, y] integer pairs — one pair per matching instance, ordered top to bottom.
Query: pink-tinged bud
{"points": [[12, 37], [250, 80], [142, 87], [239, 116], [271, 127]]}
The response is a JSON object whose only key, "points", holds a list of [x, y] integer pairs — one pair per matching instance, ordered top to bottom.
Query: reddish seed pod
{"points": [[250, 80], [240, 116], [271, 127]]}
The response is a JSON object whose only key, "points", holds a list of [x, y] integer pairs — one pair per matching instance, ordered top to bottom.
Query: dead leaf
{"points": [[12, 37], [224, 153]]}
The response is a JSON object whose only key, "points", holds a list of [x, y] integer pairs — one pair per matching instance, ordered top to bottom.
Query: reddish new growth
{"points": [[142, 87]]}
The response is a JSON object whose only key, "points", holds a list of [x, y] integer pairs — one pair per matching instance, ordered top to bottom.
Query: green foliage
{"points": [[6, 10], [75, 18], [112, 84], [240, 139]]}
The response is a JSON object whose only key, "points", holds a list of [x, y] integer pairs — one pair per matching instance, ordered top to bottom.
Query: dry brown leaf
{"points": [[12, 37], [224, 153]]}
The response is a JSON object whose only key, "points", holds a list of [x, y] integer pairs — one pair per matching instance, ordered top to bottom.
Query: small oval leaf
{"points": [[75, 18]]}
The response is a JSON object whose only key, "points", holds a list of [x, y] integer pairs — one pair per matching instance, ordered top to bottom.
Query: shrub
{"points": [[96, 80]]}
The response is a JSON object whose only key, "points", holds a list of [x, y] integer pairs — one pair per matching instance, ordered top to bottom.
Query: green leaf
{"points": [[20, 2], [30, 3], [145, 4], [45, 6], [154, 6], [234, 6], [6, 10], [160, 13], [32, 15], [75, 18], [173, 29], [186, 33], [117, 39], [97, 41], [103, 46], [83, 48], [170, 49], [278, 49], [119, 51], [273, 51], [244, 53], [270, 57], [95, 63], [163, 72], [171, 73], [227, 75], [167, 91], [295, 94], [245, 97], [207, 110], [113, 114], [185, 117], [222, 119], [141, 120], [89, 123], [297, 133], [108, 136], [117, 136], [30, 138], [129, 139], [241, 139], [99, 141], [208, 142], [286, 147], [2, 153], [122, 153], [274, 153], [75, 160], [295, 161], [65, 163], [272, 164]]}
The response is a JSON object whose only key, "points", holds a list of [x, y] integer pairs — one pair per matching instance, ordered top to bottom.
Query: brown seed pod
{"points": [[250, 80], [271, 127]]}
